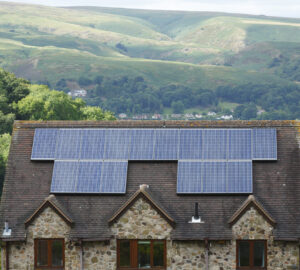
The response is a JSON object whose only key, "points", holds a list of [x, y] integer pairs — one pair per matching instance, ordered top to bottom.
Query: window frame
{"points": [[134, 254], [49, 255], [251, 258]]}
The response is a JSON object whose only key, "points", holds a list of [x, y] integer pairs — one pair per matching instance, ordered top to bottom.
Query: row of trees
{"points": [[135, 95], [23, 101]]}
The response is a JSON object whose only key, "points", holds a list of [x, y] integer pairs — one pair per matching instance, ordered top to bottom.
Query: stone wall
{"points": [[141, 221], [47, 225]]}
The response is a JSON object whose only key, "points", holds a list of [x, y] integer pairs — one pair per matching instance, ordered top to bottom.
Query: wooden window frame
{"points": [[49, 243], [134, 254], [251, 259]]}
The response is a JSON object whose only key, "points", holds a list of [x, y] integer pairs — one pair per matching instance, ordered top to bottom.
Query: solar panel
{"points": [[117, 142], [44, 144], [68, 144], [142, 144], [166, 144], [214, 144], [239, 144], [264, 144], [92, 146], [190, 146], [114, 176], [89, 177], [189, 177], [214, 177], [240, 177], [64, 178]]}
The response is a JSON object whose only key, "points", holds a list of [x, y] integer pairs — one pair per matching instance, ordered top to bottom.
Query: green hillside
{"points": [[198, 50]]}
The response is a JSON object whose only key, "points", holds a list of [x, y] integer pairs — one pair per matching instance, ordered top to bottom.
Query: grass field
{"points": [[197, 49]]}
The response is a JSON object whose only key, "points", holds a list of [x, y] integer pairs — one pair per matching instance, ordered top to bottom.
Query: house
{"points": [[78, 93], [152, 195]]}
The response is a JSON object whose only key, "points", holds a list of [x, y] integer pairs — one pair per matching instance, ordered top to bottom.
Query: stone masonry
{"points": [[141, 221]]}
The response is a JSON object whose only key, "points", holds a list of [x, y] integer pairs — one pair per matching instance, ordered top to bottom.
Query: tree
{"points": [[177, 106], [4, 149]]}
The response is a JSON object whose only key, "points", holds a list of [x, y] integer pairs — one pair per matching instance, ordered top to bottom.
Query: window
{"points": [[49, 254], [141, 254], [251, 254]]}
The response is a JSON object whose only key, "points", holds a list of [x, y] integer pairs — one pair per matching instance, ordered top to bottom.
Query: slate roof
{"points": [[276, 186]]}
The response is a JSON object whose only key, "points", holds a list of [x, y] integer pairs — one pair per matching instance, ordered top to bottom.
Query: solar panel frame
{"points": [[264, 142], [117, 143], [44, 144], [93, 144], [142, 144], [166, 144], [190, 144], [214, 144], [239, 144], [68, 145], [114, 170], [191, 170], [240, 173], [213, 174], [64, 177], [89, 177]]}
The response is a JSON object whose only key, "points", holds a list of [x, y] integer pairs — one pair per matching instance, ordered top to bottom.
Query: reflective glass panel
{"points": [[42, 253], [57, 253], [125, 253], [158, 253], [144, 254], [244, 254], [259, 254]]}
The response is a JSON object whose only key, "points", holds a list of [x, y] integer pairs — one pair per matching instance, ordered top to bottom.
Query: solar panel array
{"points": [[155, 144], [209, 160], [89, 177], [214, 177]]}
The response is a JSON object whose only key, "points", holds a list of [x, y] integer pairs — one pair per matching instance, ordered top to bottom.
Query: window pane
{"points": [[42, 253], [57, 253], [125, 253], [158, 253], [144, 254], [244, 254], [259, 254]]}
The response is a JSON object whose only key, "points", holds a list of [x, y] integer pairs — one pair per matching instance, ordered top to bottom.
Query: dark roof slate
{"points": [[276, 185]]}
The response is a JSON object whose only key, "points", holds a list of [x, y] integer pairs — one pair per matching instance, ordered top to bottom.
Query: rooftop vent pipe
{"points": [[196, 218], [7, 230]]}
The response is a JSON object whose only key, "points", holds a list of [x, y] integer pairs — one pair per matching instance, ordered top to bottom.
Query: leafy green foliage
{"points": [[22, 101]]}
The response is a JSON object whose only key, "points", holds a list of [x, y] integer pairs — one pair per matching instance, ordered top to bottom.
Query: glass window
{"points": [[42, 253], [49, 253], [57, 253], [125, 253], [158, 253], [244, 253], [251, 253], [141, 254], [144, 254], [259, 254]]}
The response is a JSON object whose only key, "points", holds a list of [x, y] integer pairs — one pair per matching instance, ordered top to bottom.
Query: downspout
{"points": [[2, 252], [206, 254], [7, 255]]}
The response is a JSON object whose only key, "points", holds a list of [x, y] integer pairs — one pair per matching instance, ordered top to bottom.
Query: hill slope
{"points": [[194, 49]]}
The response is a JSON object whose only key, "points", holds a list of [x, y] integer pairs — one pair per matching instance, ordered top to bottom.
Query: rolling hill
{"points": [[195, 49]]}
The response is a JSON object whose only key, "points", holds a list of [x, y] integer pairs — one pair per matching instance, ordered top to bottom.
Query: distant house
{"points": [[78, 93], [122, 115], [176, 195]]}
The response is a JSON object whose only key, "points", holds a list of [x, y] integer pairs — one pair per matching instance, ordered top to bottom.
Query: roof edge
{"points": [[155, 124], [142, 192], [251, 201], [51, 204]]}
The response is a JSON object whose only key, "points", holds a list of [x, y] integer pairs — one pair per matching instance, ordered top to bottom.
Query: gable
{"points": [[141, 221]]}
